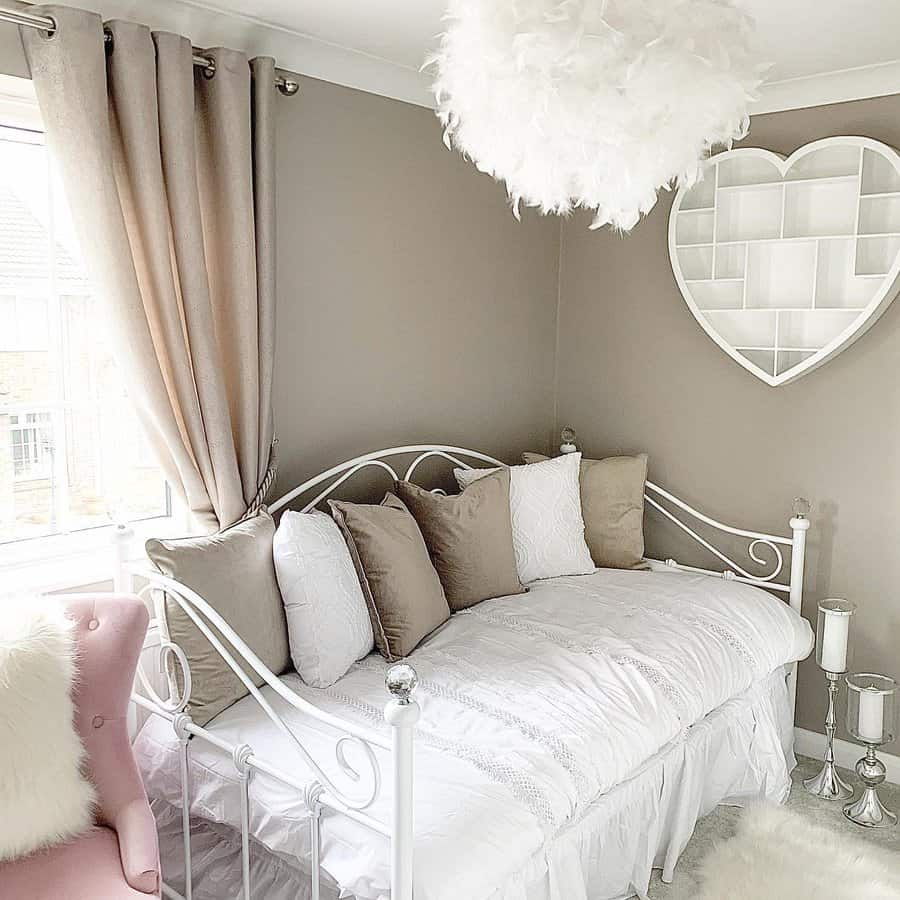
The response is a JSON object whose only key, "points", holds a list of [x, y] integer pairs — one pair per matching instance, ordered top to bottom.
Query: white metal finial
{"points": [[401, 680]]}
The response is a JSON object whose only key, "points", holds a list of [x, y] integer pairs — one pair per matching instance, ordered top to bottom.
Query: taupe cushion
{"points": [[612, 505], [469, 537], [234, 572], [401, 587]]}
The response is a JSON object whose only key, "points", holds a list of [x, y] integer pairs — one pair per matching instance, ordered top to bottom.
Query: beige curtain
{"points": [[170, 178]]}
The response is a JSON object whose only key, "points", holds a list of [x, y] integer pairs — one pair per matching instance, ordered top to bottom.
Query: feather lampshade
{"points": [[593, 103]]}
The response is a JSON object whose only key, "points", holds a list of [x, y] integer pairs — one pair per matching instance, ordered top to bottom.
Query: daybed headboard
{"points": [[386, 460], [403, 462]]}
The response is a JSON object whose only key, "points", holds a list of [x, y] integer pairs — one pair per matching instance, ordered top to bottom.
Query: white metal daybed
{"points": [[565, 740]]}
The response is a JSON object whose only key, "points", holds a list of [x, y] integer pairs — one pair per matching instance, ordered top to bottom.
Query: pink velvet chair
{"points": [[117, 859]]}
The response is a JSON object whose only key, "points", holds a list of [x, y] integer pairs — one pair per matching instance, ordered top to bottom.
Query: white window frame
{"points": [[15, 343], [43, 419], [87, 557]]}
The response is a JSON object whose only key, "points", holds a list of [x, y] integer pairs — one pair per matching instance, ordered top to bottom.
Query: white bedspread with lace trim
{"points": [[532, 707]]}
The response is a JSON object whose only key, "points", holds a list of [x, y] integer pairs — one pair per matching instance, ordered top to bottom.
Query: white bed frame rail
{"points": [[318, 790]]}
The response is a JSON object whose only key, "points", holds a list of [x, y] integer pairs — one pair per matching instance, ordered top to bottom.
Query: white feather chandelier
{"points": [[586, 103]]}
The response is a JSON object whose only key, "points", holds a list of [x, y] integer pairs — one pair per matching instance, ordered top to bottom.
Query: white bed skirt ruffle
{"points": [[741, 752]]}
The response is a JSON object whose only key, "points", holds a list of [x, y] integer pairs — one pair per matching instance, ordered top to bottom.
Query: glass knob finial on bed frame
{"points": [[568, 439], [401, 680]]}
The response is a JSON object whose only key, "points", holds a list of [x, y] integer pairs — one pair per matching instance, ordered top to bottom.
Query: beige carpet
{"points": [[721, 824]]}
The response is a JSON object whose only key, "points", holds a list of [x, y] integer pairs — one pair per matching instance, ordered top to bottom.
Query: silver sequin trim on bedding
{"points": [[653, 674], [557, 749], [521, 786]]}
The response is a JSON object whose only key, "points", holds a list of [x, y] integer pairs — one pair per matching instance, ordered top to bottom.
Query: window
{"points": [[23, 323], [31, 445], [72, 454]]}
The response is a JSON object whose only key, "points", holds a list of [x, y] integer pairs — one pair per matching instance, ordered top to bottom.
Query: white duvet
{"points": [[532, 707]]}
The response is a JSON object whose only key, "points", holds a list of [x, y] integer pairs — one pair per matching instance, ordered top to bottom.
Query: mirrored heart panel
{"points": [[784, 262]]}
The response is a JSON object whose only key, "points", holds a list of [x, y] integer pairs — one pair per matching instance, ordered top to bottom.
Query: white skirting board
{"points": [[811, 743]]}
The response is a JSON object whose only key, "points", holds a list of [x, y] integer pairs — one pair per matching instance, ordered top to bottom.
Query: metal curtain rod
{"points": [[288, 86]]}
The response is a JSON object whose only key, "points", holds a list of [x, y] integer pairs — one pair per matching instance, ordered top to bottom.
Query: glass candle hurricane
{"points": [[832, 635], [871, 708], [872, 720]]}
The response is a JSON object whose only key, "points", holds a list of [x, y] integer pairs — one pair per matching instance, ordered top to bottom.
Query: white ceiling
{"points": [[801, 37], [379, 45]]}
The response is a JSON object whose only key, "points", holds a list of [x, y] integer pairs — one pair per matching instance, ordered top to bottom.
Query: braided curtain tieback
{"points": [[259, 498]]}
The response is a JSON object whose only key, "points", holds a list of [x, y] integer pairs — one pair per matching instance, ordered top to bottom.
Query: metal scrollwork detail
{"points": [[756, 540], [776, 552], [228, 644], [167, 653], [241, 759], [312, 793]]}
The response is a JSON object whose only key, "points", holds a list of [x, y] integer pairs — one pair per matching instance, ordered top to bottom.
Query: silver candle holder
{"points": [[832, 641], [871, 719]]}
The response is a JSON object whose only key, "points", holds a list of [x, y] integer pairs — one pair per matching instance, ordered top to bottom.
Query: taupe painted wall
{"points": [[12, 56], [412, 306], [636, 372]]}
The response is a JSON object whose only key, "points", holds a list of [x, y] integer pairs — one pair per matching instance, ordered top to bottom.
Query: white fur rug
{"points": [[44, 798], [779, 855]]}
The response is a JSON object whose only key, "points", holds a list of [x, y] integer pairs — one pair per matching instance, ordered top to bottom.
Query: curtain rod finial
{"points": [[288, 86]]}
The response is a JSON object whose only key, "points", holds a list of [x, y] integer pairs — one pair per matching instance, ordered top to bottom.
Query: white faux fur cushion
{"points": [[44, 798], [779, 854]]}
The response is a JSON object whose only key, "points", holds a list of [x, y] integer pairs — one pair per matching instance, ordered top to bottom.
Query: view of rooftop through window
{"points": [[72, 454]]}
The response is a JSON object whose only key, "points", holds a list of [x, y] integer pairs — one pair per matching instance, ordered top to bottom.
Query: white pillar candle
{"points": [[834, 643], [871, 715]]}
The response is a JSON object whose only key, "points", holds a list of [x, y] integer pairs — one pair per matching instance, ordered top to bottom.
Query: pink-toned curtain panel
{"points": [[170, 178]]}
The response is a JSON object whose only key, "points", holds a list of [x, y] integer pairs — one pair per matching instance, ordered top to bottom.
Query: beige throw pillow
{"points": [[612, 504], [469, 537], [234, 572], [402, 589]]}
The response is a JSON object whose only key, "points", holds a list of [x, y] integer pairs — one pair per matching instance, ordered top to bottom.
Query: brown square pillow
{"points": [[612, 505], [469, 537], [234, 572], [402, 589]]}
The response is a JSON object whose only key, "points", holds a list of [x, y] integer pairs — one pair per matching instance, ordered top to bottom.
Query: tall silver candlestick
{"points": [[832, 639], [828, 784]]}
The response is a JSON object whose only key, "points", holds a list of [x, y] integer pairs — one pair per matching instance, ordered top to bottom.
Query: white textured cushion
{"points": [[545, 511], [328, 622], [44, 797]]}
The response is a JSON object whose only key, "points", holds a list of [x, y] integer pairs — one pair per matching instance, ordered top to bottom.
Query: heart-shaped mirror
{"points": [[785, 262]]}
